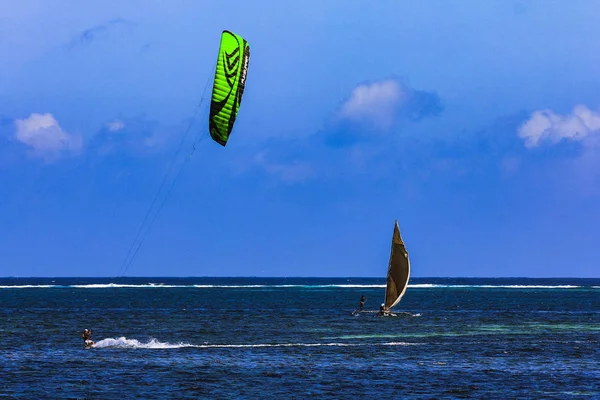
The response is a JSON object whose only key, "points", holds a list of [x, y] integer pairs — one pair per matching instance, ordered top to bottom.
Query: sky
{"points": [[475, 124]]}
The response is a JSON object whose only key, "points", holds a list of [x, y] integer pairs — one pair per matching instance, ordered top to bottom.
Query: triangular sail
{"points": [[398, 270]]}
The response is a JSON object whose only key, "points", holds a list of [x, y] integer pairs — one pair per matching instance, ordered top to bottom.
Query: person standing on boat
{"points": [[362, 303], [383, 310]]}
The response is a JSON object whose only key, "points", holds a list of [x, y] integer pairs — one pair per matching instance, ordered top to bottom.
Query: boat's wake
{"points": [[123, 342]]}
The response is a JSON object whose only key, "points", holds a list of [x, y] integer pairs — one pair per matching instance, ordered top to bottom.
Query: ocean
{"points": [[178, 338]]}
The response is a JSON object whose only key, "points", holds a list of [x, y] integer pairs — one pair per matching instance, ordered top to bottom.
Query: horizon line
{"points": [[290, 277]]}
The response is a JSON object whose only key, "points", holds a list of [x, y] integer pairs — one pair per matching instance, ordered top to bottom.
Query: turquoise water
{"points": [[294, 338]]}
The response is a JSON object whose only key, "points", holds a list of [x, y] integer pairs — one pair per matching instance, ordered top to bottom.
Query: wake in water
{"points": [[123, 342]]}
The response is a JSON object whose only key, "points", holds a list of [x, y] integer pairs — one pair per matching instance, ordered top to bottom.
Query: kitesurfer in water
{"points": [[362, 303], [87, 337]]}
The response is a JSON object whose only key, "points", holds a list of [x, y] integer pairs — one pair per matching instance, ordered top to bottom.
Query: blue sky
{"points": [[475, 124]]}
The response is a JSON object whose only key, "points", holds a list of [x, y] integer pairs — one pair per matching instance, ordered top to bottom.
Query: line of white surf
{"points": [[427, 285], [155, 286], [349, 286], [123, 342]]}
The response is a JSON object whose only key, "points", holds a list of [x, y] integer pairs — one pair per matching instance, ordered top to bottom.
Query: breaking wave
{"points": [[160, 285], [433, 285], [27, 286], [342, 286]]}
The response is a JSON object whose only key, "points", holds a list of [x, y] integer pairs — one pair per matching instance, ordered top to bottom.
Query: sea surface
{"points": [[178, 338]]}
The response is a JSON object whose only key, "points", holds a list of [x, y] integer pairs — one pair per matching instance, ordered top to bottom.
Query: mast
{"points": [[398, 270]]}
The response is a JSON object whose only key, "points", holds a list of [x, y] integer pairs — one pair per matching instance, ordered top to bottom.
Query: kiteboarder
{"points": [[362, 303], [87, 338]]}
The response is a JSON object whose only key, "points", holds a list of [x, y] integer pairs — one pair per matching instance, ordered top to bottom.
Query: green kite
{"points": [[229, 83]]}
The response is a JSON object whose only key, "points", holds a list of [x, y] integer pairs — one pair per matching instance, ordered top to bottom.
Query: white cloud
{"points": [[376, 103], [115, 125], [545, 125], [45, 137]]}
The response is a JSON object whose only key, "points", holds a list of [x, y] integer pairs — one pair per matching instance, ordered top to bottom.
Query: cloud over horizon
{"points": [[374, 103], [381, 104], [368, 115], [547, 126], [45, 138]]}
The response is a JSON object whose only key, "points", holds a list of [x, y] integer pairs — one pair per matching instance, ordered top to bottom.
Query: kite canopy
{"points": [[228, 88]]}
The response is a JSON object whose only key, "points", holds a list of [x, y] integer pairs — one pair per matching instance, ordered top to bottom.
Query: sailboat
{"points": [[398, 273]]}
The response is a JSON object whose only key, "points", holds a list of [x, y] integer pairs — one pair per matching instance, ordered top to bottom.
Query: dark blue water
{"points": [[295, 338]]}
